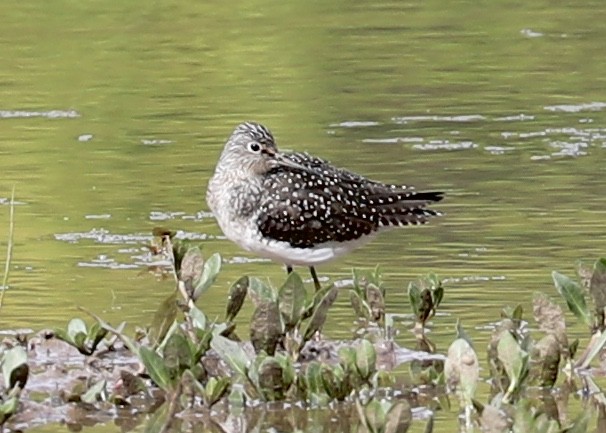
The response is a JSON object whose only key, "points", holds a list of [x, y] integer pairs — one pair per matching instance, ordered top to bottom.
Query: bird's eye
{"points": [[254, 147]]}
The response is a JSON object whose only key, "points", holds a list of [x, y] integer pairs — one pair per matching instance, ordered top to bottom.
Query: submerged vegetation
{"points": [[188, 369]]}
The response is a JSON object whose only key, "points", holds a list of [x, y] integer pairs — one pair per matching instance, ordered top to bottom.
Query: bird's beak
{"points": [[285, 162]]}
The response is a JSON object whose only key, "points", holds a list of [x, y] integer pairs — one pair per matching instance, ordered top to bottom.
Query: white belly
{"points": [[283, 252]]}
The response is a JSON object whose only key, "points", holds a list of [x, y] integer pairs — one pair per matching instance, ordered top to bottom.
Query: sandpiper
{"points": [[297, 209]]}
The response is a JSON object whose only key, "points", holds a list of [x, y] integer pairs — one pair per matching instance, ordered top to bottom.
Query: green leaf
{"points": [[188, 261], [191, 268], [209, 274], [358, 278], [434, 281], [260, 292], [572, 292], [237, 295], [438, 295], [292, 296], [414, 297], [323, 300], [376, 302], [359, 305], [426, 306], [518, 312], [549, 316], [198, 318], [163, 319], [75, 327], [174, 327], [266, 327], [76, 331], [61, 334], [95, 334], [204, 339], [79, 342], [128, 342], [595, 346], [573, 347], [232, 353], [177, 354], [347, 358], [366, 359], [515, 362], [547, 362], [154, 364], [14, 367], [288, 370], [462, 370], [253, 372], [313, 377], [383, 379], [189, 380], [271, 380], [333, 380], [216, 389], [94, 393], [237, 397], [8, 408], [374, 414], [362, 416], [399, 417], [156, 423]]}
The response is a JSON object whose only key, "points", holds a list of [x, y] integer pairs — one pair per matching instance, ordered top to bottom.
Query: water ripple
{"points": [[529, 33], [575, 108], [53, 114], [463, 118], [354, 124], [393, 140], [156, 142], [445, 145], [168, 215], [104, 236], [103, 261]]}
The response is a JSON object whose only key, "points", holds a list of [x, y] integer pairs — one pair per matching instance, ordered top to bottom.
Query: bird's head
{"points": [[252, 148]]}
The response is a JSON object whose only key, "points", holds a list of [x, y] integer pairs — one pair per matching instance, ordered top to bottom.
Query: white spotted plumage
{"points": [[298, 209]]}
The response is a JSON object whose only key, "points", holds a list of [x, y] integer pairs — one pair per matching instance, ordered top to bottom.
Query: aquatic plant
{"points": [[367, 296], [425, 297], [79, 335], [188, 362], [517, 362], [15, 372]]}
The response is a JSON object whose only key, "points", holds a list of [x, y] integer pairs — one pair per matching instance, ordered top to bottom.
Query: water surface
{"points": [[112, 116]]}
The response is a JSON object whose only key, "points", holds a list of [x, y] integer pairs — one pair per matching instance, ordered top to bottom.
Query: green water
{"points": [[113, 114]]}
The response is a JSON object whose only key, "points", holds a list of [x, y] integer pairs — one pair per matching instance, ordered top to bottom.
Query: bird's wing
{"points": [[320, 203]]}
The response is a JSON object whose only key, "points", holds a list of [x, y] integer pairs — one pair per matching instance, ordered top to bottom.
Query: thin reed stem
{"points": [[9, 250]]}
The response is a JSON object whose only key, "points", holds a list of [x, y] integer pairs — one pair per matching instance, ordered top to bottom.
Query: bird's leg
{"points": [[288, 269], [315, 277]]}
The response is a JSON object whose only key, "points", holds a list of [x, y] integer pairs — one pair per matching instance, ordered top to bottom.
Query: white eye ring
{"points": [[254, 147]]}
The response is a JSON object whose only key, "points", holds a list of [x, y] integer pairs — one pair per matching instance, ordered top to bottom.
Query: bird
{"points": [[298, 209]]}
